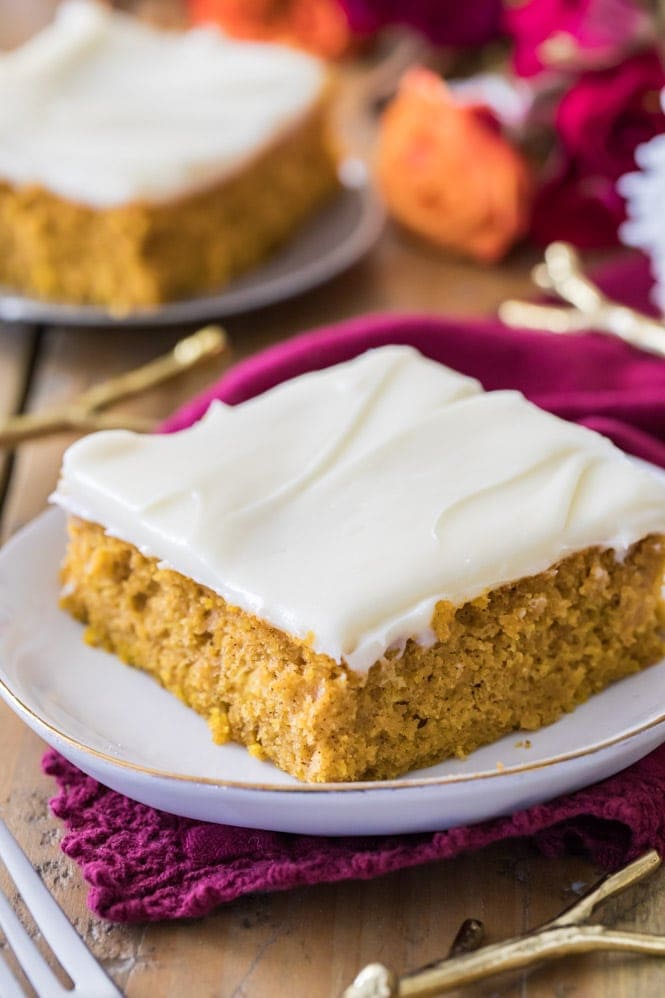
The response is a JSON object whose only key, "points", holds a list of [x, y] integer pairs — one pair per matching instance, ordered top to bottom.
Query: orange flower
{"points": [[320, 26], [447, 173]]}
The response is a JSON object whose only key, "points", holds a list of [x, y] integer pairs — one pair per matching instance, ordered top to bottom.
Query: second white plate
{"points": [[334, 238], [120, 727]]}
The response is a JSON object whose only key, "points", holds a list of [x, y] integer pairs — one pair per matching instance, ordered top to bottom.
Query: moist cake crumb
{"points": [[515, 658]]}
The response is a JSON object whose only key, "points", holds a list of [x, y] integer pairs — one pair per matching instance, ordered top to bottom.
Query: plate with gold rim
{"points": [[338, 235], [117, 725]]}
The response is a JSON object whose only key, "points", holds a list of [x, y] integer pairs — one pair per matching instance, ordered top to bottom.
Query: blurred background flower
{"points": [[443, 22], [320, 26], [573, 35], [568, 86], [599, 122], [447, 173]]}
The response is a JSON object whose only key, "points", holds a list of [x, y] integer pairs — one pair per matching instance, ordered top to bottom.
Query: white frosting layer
{"points": [[104, 110], [346, 503]]}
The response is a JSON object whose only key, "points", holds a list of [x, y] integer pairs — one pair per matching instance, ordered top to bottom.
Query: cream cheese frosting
{"points": [[102, 109], [343, 505]]}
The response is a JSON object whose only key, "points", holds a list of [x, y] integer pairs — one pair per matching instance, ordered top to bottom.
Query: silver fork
{"points": [[90, 980]]}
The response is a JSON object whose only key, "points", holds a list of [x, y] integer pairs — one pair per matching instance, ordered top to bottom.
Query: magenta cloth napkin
{"points": [[143, 864], [146, 865]]}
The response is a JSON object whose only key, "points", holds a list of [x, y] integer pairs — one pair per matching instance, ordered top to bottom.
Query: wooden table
{"points": [[304, 943]]}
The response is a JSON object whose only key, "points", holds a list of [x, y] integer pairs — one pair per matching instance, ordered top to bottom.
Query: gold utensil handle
{"points": [[564, 272], [591, 309], [544, 318], [615, 320], [633, 327], [203, 345], [84, 415], [38, 424], [32, 425], [609, 886], [562, 936], [377, 981]]}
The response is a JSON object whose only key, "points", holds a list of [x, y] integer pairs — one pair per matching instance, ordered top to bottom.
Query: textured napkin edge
{"points": [[612, 822]]}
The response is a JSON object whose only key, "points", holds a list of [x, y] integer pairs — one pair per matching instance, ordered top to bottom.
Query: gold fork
{"points": [[588, 308], [85, 412], [562, 936]]}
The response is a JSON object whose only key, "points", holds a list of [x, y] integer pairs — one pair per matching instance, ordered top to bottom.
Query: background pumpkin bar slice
{"points": [[139, 165], [368, 568]]}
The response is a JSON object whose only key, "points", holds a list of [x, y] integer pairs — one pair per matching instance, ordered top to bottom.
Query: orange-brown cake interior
{"points": [[513, 659]]}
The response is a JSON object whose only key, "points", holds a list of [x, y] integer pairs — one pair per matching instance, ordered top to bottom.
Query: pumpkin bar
{"points": [[140, 165], [368, 568]]}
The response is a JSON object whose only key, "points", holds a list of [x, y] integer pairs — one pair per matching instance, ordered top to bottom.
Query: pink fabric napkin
{"points": [[143, 864], [146, 865]]}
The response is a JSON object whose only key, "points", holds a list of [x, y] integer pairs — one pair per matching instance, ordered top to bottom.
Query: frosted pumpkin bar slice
{"points": [[139, 165], [370, 567]]}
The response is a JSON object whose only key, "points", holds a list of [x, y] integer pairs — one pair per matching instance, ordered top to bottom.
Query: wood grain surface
{"points": [[306, 943]]}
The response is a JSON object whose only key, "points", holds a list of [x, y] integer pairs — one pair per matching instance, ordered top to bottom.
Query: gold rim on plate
{"points": [[400, 784]]}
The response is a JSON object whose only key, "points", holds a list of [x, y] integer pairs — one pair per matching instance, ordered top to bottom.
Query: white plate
{"points": [[330, 242], [119, 726]]}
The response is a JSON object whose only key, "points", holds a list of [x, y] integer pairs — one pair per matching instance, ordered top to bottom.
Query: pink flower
{"points": [[443, 22], [573, 34], [605, 115], [600, 122], [583, 209]]}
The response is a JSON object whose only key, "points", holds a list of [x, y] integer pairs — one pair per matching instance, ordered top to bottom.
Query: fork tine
{"points": [[61, 936], [33, 963], [9, 986]]}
